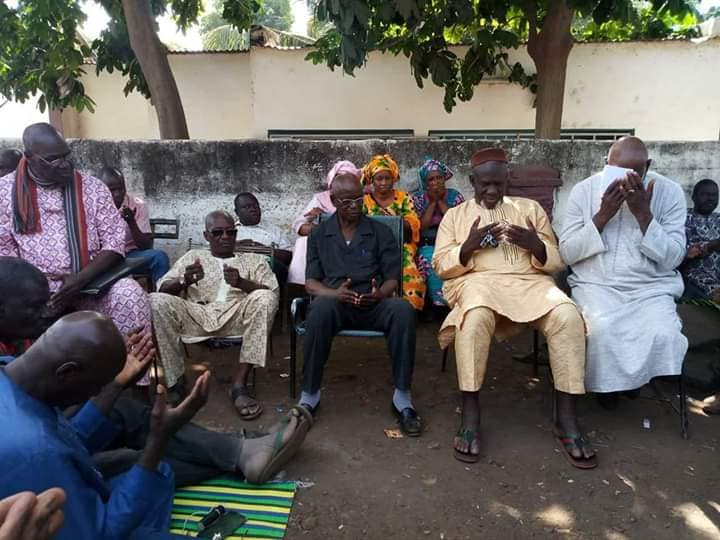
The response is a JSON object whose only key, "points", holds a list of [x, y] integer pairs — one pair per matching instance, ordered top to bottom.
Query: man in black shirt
{"points": [[353, 268]]}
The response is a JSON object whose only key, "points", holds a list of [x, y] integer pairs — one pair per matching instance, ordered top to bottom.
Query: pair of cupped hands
{"points": [[525, 238], [195, 272], [347, 296]]}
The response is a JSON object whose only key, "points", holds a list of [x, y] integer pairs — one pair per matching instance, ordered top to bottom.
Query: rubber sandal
{"points": [[244, 391], [312, 410], [305, 412], [469, 436], [567, 443], [282, 453]]}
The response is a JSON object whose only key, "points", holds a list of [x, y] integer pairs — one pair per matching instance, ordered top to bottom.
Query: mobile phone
{"points": [[224, 524]]}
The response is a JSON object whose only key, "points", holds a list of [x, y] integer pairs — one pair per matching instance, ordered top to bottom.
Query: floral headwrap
{"points": [[380, 163], [429, 166]]}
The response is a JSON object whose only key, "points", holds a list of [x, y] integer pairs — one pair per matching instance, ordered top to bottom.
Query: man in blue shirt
{"points": [[73, 361]]}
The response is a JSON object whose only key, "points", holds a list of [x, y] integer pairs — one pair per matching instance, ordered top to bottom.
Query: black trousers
{"points": [[281, 272], [393, 316], [194, 453]]}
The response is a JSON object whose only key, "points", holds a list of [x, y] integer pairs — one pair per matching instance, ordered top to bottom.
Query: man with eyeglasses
{"points": [[64, 222], [624, 237], [353, 268], [217, 293]]}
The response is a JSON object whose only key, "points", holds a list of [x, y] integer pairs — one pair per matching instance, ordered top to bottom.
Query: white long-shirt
{"points": [[626, 283]]}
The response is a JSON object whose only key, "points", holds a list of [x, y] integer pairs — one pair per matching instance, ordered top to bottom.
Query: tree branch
{"points": [[532, 18]]}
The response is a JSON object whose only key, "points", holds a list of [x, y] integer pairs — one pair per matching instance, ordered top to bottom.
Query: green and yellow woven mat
{"points": [[267, 507]]}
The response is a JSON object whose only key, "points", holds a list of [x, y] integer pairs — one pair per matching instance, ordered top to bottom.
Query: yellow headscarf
{"points": [[380, 163]]}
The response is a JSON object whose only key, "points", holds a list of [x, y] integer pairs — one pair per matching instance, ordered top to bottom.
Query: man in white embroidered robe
{"points": [[624, 237]]}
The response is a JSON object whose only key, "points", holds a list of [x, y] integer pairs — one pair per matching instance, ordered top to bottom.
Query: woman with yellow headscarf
{"points": [[379, 177]]}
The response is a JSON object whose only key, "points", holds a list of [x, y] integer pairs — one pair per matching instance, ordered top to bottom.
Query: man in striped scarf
{"points": [[65, 223]]}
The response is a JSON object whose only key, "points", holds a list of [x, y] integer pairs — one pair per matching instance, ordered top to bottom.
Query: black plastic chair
{"points": [[299, 305]]}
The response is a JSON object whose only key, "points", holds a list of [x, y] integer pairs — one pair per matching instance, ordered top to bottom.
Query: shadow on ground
{"points": [[361, 484]]}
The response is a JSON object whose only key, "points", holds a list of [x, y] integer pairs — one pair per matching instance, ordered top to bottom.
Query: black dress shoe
{"points": [[410, 423]]}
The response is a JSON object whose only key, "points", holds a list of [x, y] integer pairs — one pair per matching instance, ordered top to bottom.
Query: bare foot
{"points": [[569, 426]]}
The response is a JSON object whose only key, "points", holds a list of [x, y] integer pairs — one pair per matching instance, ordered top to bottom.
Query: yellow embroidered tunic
{"points": [[506, 279]]}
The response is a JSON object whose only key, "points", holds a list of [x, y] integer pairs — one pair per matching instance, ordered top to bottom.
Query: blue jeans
{"points": [[158, 262]]}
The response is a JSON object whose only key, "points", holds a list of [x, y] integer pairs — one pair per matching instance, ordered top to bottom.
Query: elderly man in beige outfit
{"points": [[496, 254], [217, 293]]}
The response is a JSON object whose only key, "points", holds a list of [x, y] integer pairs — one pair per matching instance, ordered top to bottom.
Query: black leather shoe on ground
{"points": [[410, 423]]}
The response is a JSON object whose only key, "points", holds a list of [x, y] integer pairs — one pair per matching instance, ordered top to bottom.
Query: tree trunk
{"points": [[550, 49], [152, 57]]}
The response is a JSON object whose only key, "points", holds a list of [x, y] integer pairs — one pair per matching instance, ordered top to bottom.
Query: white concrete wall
{"points": [[665, 90], [187, 179]]}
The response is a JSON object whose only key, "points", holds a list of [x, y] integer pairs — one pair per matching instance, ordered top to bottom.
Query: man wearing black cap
{"points": [[496, 254]]}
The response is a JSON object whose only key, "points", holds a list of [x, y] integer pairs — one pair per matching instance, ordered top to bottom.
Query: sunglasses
{"points": [[65, 161], [347, 203], [217, 233]]}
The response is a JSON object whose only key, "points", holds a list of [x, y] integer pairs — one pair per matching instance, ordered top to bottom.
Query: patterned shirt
{"points": [[142, 218], [48, 249], [703, 272], [212, 288]]}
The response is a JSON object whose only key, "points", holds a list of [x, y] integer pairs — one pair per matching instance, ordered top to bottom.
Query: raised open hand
{"points": [[638, 197], [194, 272], [231, 276], [140, 354], [165, 421]]}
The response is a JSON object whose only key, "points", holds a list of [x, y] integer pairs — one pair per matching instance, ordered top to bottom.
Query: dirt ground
{"points": [[358, 483]]}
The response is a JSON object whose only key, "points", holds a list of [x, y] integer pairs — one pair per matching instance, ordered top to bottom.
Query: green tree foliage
{"points": [[276, 14], [644, 23], [427, 31], [220, 35], [42, 52]]}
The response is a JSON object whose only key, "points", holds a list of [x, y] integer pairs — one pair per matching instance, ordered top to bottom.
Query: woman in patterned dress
{"points": [[379, 177], [431, 202]]}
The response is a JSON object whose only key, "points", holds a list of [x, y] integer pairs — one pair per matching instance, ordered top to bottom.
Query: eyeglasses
{"points": [[65, 161], [347, 203], [217, 233]]}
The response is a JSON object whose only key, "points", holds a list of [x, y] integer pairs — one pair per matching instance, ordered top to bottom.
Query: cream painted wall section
{"points": [[665, 90], [294, 94], [217, 95], [116, 116]]}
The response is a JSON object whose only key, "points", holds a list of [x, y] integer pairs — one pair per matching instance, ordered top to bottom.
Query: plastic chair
{"points": [[299, 305]]}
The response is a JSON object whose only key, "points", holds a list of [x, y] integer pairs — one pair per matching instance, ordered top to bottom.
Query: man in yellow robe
{"points": [[496, 254]]}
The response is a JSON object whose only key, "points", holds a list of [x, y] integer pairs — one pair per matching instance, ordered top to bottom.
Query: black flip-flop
{"points": [[469, 436]]}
